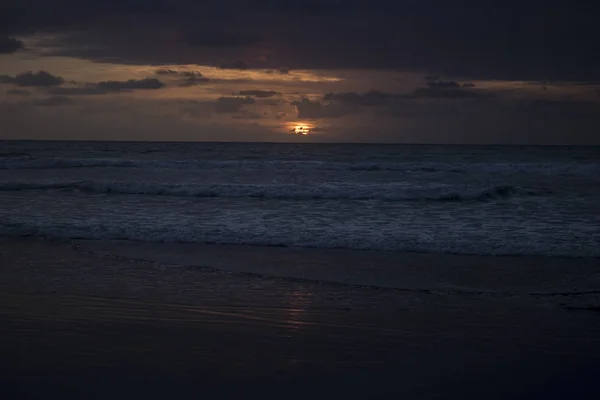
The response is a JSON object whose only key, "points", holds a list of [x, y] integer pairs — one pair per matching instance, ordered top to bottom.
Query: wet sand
{"points": [[129, 320]]}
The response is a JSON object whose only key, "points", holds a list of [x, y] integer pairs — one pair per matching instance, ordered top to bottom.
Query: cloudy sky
{"points": [[426, 71]]}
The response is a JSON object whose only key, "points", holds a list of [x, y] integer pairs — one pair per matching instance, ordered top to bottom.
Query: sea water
{"points": [[487, 200]]}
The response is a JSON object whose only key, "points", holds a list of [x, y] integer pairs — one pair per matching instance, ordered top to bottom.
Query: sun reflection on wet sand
{"points": [[297, 302]]}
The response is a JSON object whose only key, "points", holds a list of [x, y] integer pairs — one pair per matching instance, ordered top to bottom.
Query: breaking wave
{"points": [[286, 191], [257, 234]]}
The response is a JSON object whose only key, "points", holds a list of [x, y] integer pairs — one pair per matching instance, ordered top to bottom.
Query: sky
{"points": [[426, 71]]}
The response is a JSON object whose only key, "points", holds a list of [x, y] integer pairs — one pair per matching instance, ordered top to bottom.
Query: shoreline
{"points": [[427, 272], [97, 324]]}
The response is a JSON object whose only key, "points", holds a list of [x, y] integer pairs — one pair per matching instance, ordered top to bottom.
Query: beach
{"points": [[332, 199], [279, 270], [119, 319]]}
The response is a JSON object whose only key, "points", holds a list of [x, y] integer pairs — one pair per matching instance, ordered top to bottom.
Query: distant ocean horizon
{"points": [[303, 141], [464, 199]]}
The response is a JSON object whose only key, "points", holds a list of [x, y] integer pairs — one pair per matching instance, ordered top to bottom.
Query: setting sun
{"points": [[300, 128]]}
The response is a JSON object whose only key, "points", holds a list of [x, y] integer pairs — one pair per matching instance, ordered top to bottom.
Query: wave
{"points": [[14, 154], [61, 163], [573, 168], [286, 191], [258, 234]]}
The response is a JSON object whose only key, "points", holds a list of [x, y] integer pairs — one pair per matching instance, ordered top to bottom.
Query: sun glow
{"points": [[300, 128]]}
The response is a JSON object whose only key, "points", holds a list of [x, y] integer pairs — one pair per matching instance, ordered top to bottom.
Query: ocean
{"points": [[483, 200]]}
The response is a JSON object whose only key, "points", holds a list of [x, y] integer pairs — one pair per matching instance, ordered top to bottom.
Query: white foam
{"points": [[257, 233]]}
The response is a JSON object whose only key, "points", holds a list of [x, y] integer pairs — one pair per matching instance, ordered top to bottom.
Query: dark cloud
{"points": [[308, 7], [216, 38], [526, 40], [10, 45], [237, 64], [280, 70], [166, 72], [178, 73], [191, 74], [32, 79], [194, 80], [436, 83], [564, 83], [443, 84], [117, 86], [108, 87], [89, 89], [439, 89], [443, 90], [19, 92], [259, 93], [448, 93], [372, 98], [53, 101], [272, 102], [558, 103], [232, 104], [391, 104], [195, 108], [316, 109], [577, 112], [251, 115]]}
